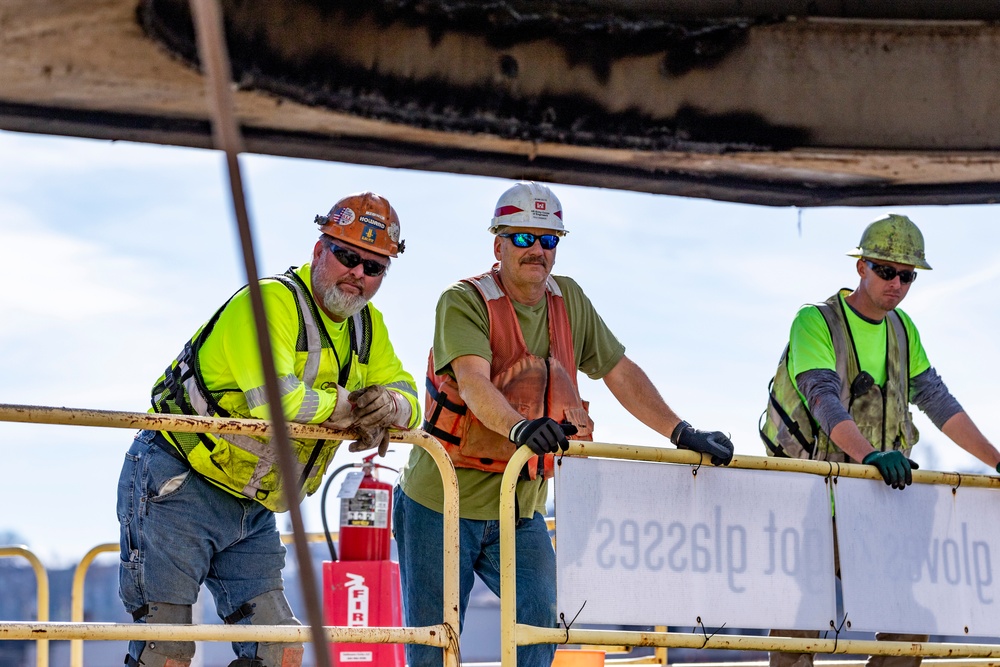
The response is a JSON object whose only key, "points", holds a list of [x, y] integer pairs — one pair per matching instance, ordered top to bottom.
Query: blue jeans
{"points": [[193, 533], [419, 538]]}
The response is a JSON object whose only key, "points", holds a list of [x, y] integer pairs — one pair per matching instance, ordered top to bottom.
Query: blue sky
{"points": [[114, 253]]}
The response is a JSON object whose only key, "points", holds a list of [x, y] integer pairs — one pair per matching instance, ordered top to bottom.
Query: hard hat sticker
{"points": [[539, 206], [375, 215], [342, 216], [365, 219], [394, 233], [369, 234]]}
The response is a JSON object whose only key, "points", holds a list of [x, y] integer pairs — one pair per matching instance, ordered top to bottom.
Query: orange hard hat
{"points": [[365, 220]]}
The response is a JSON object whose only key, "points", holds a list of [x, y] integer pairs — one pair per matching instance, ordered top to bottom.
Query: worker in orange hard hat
{"points": [[208, 500]]}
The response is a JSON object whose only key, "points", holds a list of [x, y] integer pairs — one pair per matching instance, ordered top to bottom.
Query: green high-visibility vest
{"points": [[881, 413]]}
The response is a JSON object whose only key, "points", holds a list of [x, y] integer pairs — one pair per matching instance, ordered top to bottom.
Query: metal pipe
{"points": [[226, 136], [38, 414], [822, 468], [508, 579], [42, 595], [528, 634], [430, 635]]}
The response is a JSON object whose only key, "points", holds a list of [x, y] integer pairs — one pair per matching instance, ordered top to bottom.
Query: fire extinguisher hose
{"points": [[322, 506]]}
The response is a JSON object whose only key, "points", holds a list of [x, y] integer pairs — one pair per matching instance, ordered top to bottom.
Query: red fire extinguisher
{"points": [[364, 519], [362, 588]]}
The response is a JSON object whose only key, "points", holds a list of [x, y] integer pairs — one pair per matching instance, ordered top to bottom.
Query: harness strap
{"points": [[442, 399], [791, 424], [441, 434], [245, 610], [141, 612]]}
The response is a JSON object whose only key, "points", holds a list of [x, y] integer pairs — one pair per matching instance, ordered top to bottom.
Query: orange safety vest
{"points": [[535, 387]]}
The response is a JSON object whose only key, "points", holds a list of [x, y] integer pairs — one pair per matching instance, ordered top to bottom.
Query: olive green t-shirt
{"points": [[461, 328]]}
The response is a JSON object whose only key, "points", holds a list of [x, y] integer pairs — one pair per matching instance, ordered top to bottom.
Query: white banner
{"points": [[653, 544], [922, 560]]}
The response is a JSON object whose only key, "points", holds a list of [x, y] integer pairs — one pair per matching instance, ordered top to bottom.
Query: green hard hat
{"points": [[893, 238]]}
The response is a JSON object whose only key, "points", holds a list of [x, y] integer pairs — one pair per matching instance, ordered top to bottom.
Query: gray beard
{"points": [[340, 304]]}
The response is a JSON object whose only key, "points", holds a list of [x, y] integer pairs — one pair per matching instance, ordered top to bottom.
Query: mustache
{"points": [[534, 260]]}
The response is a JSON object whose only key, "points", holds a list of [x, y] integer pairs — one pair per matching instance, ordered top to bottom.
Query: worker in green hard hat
{"points": [[852, 366]]}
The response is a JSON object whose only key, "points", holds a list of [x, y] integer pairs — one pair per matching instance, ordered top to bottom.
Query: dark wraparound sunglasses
{"points": [[526, 239], [350, 259], [884, 272]]}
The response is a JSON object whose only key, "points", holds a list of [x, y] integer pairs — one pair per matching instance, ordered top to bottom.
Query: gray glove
{"points": [[373, 406], [370, 437], [714, 443]]}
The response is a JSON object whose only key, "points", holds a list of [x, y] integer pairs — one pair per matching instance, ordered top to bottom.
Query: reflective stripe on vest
{"points": [[184, 386], [882, 415], [469, 442]]}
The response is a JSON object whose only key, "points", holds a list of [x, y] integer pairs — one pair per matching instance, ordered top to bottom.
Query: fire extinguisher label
{"points": [[369, 508], [356, 656]]}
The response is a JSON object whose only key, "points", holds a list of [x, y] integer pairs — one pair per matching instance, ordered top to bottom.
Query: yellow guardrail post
{"points": [[508, 579], [42, 596], [76, 598], [444, 636]]}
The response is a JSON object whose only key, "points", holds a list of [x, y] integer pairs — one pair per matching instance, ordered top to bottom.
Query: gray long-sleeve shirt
{"points": [[821, 387]]}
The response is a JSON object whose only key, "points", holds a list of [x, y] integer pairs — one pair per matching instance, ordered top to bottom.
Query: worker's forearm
{"points": [[964, 432], [847, 436]]}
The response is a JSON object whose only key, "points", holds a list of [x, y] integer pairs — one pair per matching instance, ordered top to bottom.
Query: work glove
{"points": [[373, 406], [543, 435], [370, 437], [714, 443], [893, 466]]}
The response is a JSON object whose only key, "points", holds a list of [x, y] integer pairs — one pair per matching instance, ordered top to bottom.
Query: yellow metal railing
{"points": [[80, 576], [42, 595], [514, 634], [444, 636]]}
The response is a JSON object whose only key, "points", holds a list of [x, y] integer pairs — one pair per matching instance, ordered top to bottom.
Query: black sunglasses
{"points": [[526, 239], [350, 259], [906, 276]]}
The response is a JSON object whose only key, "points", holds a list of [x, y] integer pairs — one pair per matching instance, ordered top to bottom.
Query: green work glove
{"points": [[893, 466]]}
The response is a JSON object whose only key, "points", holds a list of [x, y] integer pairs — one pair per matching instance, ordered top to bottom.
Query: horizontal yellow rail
{"points": [[822, 468], [80, 577], [529, 634], [431, 635], [444, 635]]}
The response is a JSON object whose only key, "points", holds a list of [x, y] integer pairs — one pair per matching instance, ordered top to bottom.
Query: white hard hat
{"points": [[528, 204]]}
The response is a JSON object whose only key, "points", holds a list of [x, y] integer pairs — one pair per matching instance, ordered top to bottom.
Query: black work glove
{"points": [[543, 435], [714, 443], [893, 466]]}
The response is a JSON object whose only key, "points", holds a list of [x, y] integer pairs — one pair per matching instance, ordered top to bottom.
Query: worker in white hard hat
{"points": [[502, 373]]}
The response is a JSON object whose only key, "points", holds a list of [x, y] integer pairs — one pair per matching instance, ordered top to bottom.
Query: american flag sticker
{"points": [[342, 216]]}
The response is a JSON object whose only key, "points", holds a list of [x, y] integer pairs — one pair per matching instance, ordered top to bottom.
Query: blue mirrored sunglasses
{"points": [[526, 239], [350, 259]]}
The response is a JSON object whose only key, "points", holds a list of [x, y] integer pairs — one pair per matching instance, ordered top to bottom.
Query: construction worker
{"points": [[857, 362], [502, 373], [199, 508]]}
